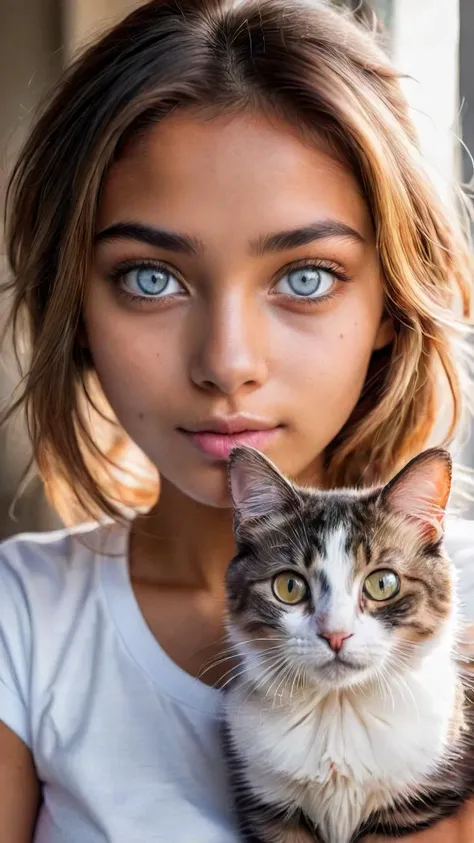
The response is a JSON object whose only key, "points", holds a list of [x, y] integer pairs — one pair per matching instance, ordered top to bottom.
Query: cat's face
{"points": [[337, 588]]}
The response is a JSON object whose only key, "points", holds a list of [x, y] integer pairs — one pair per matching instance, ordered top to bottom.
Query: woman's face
{"points": [[235, 296]]}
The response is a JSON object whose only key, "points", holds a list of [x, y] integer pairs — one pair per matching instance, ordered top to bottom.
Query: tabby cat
{"points": [[348, 715]]}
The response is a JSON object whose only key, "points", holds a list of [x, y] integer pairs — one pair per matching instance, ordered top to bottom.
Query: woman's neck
{"points": [[181, 543]]}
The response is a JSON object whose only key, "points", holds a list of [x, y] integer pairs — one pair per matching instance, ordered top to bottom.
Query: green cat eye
{"points": [[382, 585], [290, 588]]}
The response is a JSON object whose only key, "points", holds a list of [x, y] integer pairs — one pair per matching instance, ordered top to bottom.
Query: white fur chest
{"points": [[341, 757]]}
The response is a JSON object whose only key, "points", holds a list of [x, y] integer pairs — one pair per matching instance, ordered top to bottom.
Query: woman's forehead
{"points": [[243, 169]]}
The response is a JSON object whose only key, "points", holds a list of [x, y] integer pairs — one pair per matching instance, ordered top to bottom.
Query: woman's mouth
{"points": [[217, 437]]}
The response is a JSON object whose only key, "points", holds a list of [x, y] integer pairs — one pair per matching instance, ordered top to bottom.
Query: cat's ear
{"points": [[257, 488], [421, 490]]}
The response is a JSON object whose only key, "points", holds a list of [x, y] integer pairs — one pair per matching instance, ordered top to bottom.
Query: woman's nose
{"points": [[229, 352]]}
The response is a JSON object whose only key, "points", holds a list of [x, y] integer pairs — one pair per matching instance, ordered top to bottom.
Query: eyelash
{"points": [[327, 265], [127, 266], [122, 268]]}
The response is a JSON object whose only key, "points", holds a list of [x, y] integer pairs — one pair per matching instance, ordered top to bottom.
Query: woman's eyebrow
{"points": [[160, 238], [293, 238]]}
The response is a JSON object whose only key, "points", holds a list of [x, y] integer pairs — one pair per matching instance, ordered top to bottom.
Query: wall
{"points": [[85, 19], [37, 37], [426, 48], [30, 60], [466, 83], [466, 100]]}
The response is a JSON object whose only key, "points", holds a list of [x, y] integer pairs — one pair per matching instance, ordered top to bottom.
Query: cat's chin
{"points": [[339, 673]]}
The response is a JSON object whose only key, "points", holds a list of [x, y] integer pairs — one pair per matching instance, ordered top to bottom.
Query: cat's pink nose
{"points": [[336, 639]]}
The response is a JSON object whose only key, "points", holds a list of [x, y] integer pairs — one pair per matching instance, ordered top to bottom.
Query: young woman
{"points": [[221, 230]]}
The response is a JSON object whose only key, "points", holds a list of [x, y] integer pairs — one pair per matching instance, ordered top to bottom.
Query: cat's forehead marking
{"points": [[330, 511], [339, 525], [335, 546], [362, 555], [336, 560], [324, 583]]}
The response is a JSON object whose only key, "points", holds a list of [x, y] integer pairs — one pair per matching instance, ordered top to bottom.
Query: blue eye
{"points": [[150, 282], [307, 282]]}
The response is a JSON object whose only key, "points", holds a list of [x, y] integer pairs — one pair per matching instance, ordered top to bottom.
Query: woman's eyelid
{"points": [[129, 264], [319, 264], [128, 267], [333, 273], [170, 282]]}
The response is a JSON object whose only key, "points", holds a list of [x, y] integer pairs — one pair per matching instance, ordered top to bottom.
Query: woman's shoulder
{"points": [[41, 544], [36, 546], [38, 565], [48, 582]]}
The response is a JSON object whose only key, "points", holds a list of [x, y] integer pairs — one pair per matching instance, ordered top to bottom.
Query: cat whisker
{"points": [[248, 641], [234, 645], [209, 646], [234, 653], [220, 659], [213, 665], [243, 668], [273, 669], [234, 672], [266, 674], [278, 675], [286, 675], [232, 677], [286, 678], [397, 680], [384, 683], [294, 685]]}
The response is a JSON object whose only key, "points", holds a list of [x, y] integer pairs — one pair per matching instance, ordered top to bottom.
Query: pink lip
{"points": [[219, 445]]}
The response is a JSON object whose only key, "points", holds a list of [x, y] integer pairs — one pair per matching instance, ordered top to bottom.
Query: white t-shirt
{"points": [[126, 743]]}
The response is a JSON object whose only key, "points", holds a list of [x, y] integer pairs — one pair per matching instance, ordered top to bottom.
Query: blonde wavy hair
{"points": [[306, 63]]}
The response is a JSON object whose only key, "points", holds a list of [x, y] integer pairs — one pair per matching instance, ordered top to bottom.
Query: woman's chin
{"points": [[205, 485]]}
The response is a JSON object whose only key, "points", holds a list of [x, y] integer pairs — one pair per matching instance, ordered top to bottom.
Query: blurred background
{"points": [[431, 41]]}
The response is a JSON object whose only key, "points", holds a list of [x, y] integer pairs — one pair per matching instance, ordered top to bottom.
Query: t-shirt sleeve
{"points": [[15, 646]]}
